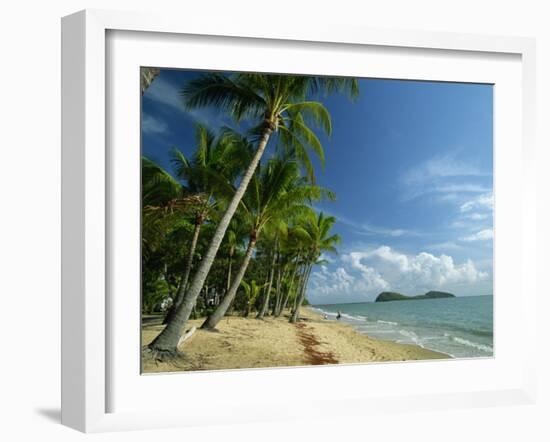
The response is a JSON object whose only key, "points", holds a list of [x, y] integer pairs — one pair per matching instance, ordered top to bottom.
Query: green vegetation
{"points": [[226, 215], [391, 296], [394, 296]]}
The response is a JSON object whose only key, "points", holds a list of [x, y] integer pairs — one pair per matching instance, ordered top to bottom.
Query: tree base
{"points": [[209, 329], [162, 355]]}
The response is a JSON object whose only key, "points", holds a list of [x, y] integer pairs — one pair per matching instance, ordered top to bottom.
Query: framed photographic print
{"points": [[259, 195], [333, 212]]}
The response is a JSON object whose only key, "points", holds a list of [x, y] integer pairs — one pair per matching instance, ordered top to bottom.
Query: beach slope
{"points": [[250, 343]]}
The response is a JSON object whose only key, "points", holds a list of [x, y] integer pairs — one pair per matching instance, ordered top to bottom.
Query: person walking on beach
{"points": [[339, 315]]}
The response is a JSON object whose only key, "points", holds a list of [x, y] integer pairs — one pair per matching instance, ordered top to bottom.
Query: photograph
{"points": [[303, 220]]}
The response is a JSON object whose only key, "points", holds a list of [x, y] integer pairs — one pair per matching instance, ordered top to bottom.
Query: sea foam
{"points": [[467, 343]]}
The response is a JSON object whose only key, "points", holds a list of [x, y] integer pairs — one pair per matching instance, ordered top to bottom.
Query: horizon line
{"points": [[373, 302]]}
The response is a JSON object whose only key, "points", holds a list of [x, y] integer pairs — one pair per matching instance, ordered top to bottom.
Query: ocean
{"points": [[461, 327]]}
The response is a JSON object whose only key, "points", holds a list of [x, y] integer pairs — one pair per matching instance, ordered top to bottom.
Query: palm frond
{"points": [[331, 85], [220, 91], [315, 111], [301, 131], [158, 187]]}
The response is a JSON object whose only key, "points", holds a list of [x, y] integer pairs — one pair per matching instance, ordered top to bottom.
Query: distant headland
{"points": [[394, 296]]}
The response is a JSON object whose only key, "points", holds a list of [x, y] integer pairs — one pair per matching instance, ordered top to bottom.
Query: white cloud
{"points": [[164, 92], [167, 93], [153, 125], [440, 167], [445, 176], [453, 189], [483, 202], [477, 216], [459, 224], [363, 228], [369, 229], [482, 235], [447, 245], [326, 258], [364, 274], [341, 282]]}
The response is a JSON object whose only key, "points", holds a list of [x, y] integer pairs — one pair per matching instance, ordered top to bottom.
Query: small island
{"points": [[394, 296]]}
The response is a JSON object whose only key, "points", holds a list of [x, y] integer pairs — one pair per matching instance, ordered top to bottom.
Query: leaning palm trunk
{"points": [[187, 271], [228, 286], [298, 290], [278, 297], [284, 301], [265, 305], [283, 308], [293, 309], [221, 310], [296, 314], [165, 344]]}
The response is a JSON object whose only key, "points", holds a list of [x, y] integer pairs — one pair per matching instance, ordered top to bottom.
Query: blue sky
{"points": [[411, 165]]}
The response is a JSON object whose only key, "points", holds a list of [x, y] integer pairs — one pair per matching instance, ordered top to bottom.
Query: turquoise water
{"points": [[461, 327]]}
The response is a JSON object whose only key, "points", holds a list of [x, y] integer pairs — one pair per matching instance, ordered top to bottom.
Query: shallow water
{"points": [[461, 327]]}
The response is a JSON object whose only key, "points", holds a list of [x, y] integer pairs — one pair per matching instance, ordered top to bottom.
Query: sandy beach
{"points": [[250, 343]]}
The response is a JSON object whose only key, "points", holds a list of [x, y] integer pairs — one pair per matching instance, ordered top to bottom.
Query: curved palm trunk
{"points": [[187, 271], [228, 286], [298, 290], [277, 291], [284, 301], [284, 304], [265, 305], [293, 309], [221, 310], [296, 314], [167, 340]]}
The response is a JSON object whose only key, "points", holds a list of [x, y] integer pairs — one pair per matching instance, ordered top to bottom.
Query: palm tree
{"points": [[148, 75], [275, 104], [208, 159], [213, 165], [158, 187], [275, 191], [164, 200], [165, 207], [314, 231], [234, 238], [272, 244], [293, 256], [288, 263], [284, 266], [251, 292]]}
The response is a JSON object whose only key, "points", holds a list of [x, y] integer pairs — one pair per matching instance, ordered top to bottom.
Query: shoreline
{"points": [[314, 310], [319, 311], [460, 327], [242, 343]]}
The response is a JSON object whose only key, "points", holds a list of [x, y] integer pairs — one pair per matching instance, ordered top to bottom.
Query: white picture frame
{"points": [[86, 315]]}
